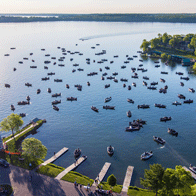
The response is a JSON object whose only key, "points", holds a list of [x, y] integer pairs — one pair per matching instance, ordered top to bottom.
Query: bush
{"points": [[163, 56], [111, 180]]}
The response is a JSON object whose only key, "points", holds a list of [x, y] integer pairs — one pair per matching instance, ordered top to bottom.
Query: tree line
{"points": [[174, 18], [182, 42]]}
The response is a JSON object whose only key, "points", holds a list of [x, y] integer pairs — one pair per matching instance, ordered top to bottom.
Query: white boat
{"points": [[108, 99], [176, 103], [129, 113], [159, 140], [110, 150], [146, 155], [192, 168]]}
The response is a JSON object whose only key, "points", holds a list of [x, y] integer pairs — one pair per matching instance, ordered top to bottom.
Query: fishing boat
{"points": [[49, 90], [38, 91], [28, 98], [71, 98], [108, 99], [130, 100], [188, 101], [56, 102], [176, 103], [159, 105], [143, 106], [55, 107], [109, 107], [94, 109], [129, 114], [165, 118], [132, 128], [172, 132], [158, 140], [110, 150], [77, 153], [146, 155]]}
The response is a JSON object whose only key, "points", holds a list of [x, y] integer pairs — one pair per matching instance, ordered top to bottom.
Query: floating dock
{"points": [[56, 156], [71, 167], [102, 173], [192, 174], [127, 179]]}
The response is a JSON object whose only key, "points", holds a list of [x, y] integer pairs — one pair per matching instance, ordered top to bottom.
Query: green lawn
{"points": [[50, 170], [79, 178], [117, 188], [135, 191]]}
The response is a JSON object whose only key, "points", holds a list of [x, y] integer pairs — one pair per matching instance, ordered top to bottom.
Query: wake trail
{"points": [[111, 35], [177, 155]]}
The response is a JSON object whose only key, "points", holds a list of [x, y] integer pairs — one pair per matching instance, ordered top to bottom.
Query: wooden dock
{"points": [[56, 156], [71, 167], [102, 173], [192, 174], [127, 179]]}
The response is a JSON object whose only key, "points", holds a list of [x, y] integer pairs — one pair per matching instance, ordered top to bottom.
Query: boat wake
{"points": [[111, 35], [177, 155]]}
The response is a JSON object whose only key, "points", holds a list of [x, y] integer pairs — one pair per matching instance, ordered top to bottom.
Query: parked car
{"points": [[4, 163]]}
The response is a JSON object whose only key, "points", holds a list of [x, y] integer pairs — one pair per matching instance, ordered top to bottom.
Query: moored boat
{"points": [[49, 90], [191, 90], [38, 91], [28, 98], [176, 103], [12, 107], [192, 168]]}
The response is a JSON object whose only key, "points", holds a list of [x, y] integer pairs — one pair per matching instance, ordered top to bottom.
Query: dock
{"points": [[56, 156], [71, 167], [102, 173], [192, 174], [127, 179]]}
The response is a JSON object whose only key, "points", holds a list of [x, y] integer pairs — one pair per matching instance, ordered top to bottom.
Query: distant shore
{"points": [[169, 18]]}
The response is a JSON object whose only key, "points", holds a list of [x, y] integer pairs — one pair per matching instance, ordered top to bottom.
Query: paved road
{"points": [[40, 185]]}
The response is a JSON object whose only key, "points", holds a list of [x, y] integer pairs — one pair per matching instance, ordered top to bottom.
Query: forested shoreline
{"points": [[172, 18]]}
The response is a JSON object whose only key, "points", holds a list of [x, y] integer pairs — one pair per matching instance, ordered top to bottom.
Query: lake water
{"points": [[75, 124]]}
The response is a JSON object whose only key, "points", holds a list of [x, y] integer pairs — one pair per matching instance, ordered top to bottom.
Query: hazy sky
{"points": [[97, 6]]}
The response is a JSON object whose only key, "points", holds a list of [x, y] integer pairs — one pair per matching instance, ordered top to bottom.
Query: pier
{"points": [[56, 156], [71, 167], [102, 173], [192, 174], [127, 179]]}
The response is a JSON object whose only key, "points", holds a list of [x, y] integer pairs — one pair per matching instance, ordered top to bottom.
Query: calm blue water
{"points": [[75, 124]]}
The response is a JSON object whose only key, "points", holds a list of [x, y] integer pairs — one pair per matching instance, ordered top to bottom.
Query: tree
{"points": [[165, 38], [154, 42], [145, 45], [164, 56], [13, 122], [33, 149], [153, 177], [111, 180], [184, 181], [169, 182]]}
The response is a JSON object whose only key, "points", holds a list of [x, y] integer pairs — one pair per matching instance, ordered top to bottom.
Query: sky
{"points": [[97, 6]]}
